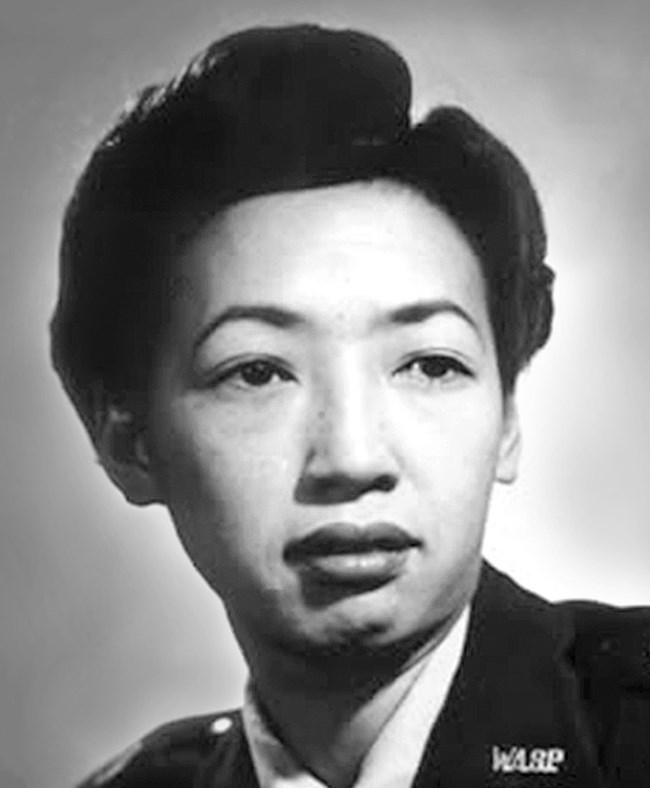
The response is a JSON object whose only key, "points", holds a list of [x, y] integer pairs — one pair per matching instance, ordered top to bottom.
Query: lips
{"points": [[351, 554]]}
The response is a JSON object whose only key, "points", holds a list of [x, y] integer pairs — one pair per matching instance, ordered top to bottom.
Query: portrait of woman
{"points": [[303, 278]]}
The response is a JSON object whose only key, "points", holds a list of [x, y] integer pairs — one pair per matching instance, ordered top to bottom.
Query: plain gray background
{"points": [[105, 629]]}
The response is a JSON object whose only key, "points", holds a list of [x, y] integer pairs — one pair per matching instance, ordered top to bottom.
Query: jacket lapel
{"points": [[512, 717]]}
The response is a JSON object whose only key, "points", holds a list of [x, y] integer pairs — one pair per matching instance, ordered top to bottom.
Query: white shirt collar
{"points": [[395, 755]]}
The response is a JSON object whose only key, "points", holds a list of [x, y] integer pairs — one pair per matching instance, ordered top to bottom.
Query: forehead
{"points": [[378, 243]]}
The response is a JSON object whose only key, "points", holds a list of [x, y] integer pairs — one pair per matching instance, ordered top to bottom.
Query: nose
{"points": [[348, 452]]}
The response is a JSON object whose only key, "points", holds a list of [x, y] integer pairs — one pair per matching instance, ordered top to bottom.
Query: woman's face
{"points": [[327, 419]]}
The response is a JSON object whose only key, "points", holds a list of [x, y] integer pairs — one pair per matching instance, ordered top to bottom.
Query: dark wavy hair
{"points": [[262, 111]]}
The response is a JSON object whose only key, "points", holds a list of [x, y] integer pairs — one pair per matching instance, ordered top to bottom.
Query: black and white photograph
{"points": [[326, 361]]}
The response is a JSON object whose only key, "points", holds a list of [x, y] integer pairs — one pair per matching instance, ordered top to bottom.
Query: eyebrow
{"points": [[420, 311], [281, 317]]}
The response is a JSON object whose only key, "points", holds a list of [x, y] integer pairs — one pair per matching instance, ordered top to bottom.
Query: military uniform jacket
{"points": [[545, 695]]}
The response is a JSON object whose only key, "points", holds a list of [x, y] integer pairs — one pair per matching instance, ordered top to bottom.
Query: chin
{"points": [[355, 636], [358, 658]]}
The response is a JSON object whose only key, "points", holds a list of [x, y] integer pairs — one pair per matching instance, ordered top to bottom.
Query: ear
{"points": [[510, 445], [121, 447]]}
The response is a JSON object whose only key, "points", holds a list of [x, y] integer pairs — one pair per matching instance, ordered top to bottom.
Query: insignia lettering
{"points": [[555, 758], [535, 760]]}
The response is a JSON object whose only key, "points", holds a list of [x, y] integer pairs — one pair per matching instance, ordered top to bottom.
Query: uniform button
{"points": [[220, 725]]}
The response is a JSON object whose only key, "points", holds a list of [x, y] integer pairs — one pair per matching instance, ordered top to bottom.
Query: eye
{"points": [[434, 367], [253, 374]]}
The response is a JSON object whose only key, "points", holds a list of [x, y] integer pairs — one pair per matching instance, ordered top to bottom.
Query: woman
{"points": [[296, 320]]}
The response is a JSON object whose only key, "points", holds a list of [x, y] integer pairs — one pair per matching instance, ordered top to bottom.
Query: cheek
{"points": [[202, 450], [452, 454], [455, 472], [222, 485], [225, 489]]}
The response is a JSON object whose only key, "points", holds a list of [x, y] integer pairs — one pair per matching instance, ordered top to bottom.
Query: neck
{"points": [[329, 710]]}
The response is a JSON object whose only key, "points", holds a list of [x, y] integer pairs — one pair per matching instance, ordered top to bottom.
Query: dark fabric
{"points": [[513, 689], [545, 695]]}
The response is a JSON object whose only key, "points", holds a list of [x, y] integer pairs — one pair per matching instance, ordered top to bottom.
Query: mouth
{"points": [[352, 555]]}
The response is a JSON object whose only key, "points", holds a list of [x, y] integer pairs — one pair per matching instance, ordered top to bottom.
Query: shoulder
{"points": [[601, 641], [610, 644], [603, 653], [610, 656], [178, 754]]}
